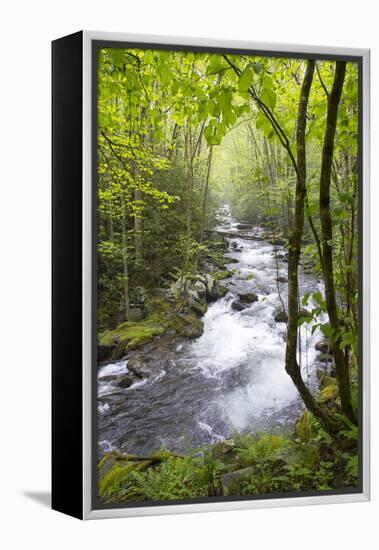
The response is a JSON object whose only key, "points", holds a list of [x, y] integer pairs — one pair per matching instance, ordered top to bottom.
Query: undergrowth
{"points": [[251, 465]]}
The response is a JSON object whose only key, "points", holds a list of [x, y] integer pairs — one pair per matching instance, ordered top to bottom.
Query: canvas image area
{"points": [[227, 278]]}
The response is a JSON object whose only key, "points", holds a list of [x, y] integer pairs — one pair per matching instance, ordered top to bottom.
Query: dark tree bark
{"points": [[294, 249], [342, 371]]}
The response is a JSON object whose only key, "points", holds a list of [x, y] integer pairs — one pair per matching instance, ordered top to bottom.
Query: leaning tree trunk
{"points": [[294, 249], [342, 371]]}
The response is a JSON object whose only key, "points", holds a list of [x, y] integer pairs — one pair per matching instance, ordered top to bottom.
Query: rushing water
{"points": [[230, 379]]}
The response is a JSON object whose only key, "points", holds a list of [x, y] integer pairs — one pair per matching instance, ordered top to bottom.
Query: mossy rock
{"points": [[220, 275], [222, 290], [198, 308], [193, 329], [129, 335], [324, 346], [325, 380], [328, 393], [304, 427], [225, 451], [162, 454], [112, 483], [231, 483]]}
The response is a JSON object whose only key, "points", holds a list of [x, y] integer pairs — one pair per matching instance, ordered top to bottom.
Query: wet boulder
{"points": [[243, 226], [216, 240], [282, 279], [214, 289], [201, 290], [222, 290], [248, 297], [238, 306], [197, 307], [136, 314], [280, 317], [193, 330], [324, 345], [120, 349], [138, 366], [124, 381], [225, 451]]}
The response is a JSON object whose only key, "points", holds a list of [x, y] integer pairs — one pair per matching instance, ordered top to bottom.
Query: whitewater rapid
{"points": [[231, 379]]}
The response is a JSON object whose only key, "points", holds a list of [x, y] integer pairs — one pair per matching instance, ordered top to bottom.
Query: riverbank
{"points": [[246, 464]]}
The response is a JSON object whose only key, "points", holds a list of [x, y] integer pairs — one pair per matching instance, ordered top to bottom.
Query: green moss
{"points": [[219, 275], [223, 290], [158, 312], [161, 316], [131, 334], [326, 381], [328, 393], [304, 426], [114, 482]]}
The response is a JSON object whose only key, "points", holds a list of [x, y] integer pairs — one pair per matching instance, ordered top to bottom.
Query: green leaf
{"points": [[117, 56], [216, 64], [257, 67], [166, 75], [245, 80], [174, 87], [268, 96], [225, 100], [229, 118], [260, 120], [312, 209], [317, 296], [305, 298], [326, 329]]}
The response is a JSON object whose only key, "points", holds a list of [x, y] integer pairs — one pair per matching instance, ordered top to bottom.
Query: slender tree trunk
{"points": [[189, 183], [205, 196], [204, 206], [137, 230], [294, 249], [125, 265], [342, 371]]}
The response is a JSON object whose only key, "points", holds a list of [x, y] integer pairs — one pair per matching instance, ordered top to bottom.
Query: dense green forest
{"points": [[181, 135]]}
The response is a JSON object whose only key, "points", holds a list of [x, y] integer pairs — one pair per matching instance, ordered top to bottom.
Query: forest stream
{"points": [[230, 379]]}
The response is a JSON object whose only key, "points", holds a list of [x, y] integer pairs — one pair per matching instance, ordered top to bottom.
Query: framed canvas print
{"points": [[210, 275]]}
